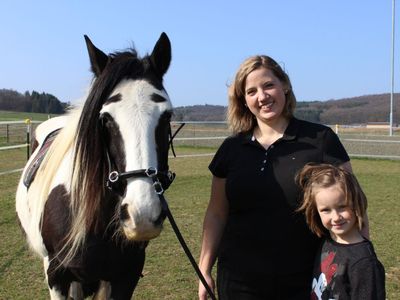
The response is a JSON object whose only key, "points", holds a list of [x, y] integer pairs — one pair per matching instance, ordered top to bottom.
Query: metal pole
{"points": [[392, 83]]}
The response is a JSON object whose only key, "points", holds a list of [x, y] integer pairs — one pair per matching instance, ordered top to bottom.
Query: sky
{"points": [[331, 49]]}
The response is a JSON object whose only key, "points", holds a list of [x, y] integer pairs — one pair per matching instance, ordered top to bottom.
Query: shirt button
{"points": [[272, 146], [266, 153], [265, 161], [262, 169]]}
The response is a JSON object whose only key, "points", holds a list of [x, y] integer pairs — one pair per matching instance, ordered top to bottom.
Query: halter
{"points": [[157, 176], [161, 179]]}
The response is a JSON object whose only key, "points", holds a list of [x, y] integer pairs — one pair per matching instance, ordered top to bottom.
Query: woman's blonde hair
{"points": [[239, 117], [314, 177]]}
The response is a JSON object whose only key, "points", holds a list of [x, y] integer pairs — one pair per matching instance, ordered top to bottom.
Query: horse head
{"points": [[124, 127]]}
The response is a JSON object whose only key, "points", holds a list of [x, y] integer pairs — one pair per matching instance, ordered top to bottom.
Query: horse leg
{"points": [[58, 279], [123, 289], [75, 291], [104, 291], [55, 293]]}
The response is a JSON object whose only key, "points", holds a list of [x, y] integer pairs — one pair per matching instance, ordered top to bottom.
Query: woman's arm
{"points": [[213, 228]]}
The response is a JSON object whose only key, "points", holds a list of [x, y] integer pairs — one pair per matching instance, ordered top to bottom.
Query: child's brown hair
{"points": [[316, 176]]}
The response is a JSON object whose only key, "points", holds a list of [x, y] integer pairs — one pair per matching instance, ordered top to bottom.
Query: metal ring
{"points": [[151, 172], [113, 176], [170, 176]]}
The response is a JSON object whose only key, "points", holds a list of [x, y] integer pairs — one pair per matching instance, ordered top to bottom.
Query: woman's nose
{"points": [[262, 95]]}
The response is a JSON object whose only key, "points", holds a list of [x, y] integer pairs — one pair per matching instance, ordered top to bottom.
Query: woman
{"points": [[264, 248]]}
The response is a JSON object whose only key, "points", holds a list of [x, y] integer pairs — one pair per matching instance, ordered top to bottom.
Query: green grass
{"points": [[21, 116], [168, 273]]}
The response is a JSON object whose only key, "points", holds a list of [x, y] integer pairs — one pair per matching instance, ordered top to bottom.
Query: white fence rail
{"points": [[358, 141]]}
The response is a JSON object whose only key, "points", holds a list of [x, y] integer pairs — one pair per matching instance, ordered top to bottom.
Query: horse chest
{"points": [[102, 257], [108, 261]]}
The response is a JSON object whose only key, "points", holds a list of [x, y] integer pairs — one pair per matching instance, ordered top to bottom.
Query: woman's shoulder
{"points": [[312, 126], [308, 130], [237, 138]]}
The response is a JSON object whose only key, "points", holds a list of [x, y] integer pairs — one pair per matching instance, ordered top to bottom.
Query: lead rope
{"points": [[172, 136], [171, 219], [184, 245]]}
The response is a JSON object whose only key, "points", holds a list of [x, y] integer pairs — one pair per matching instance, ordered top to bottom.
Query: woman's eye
{"points": [[268, 85], [250, 92]]}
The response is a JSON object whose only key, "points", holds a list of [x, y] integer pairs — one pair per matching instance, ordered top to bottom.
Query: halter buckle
{"points": [[151, 172], [158, 187]]}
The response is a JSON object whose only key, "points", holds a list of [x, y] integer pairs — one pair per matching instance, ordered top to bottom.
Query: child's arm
{"points": [[367, 280]]}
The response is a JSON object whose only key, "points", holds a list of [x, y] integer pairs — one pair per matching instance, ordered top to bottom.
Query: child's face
{"points": [[335, 215]]}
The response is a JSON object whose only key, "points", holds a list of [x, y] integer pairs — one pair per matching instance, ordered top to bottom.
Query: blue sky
{"points": [[330, 48]]}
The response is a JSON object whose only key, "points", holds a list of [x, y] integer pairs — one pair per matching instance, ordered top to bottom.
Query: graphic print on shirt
{"points": [[328, 270]]}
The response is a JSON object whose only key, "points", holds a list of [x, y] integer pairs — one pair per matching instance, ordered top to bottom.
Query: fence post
{"points": [[337, 128], [7, 134], [28, 138]]}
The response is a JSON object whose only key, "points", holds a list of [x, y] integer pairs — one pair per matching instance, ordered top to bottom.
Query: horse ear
{"points": [[161, 55], [98, 59]]}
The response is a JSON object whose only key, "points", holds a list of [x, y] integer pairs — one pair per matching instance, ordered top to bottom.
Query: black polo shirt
{"points": [[263, 233]]}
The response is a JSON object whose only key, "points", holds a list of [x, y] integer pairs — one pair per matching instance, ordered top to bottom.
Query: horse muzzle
{"points": [[139, 228]]}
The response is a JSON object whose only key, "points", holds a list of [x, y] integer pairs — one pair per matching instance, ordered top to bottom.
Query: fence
{"points": [[359, 141]]}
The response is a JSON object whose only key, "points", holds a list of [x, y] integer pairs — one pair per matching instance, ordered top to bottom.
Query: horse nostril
{"points": [[123, 212]]}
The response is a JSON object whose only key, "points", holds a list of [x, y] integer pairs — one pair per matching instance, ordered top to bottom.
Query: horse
{"points": [[92, 206]]}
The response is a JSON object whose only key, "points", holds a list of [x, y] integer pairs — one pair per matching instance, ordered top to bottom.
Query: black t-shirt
{"points": [[264, 234], [348, 272]]}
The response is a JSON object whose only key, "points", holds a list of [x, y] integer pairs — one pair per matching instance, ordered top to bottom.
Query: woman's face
{"points": [[265, 95]]}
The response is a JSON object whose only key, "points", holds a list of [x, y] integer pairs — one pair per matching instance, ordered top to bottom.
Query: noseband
{"points": [[158, 177]]}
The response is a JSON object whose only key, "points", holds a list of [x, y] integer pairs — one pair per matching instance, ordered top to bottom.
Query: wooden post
{"points": [[7, 134], [28, 138]]}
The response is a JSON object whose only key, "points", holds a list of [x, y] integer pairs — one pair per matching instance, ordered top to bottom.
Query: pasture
{"points": [[17, 116], [167, 273]]}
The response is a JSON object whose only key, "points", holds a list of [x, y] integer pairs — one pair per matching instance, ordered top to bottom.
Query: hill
{"points": [[356, 110]]}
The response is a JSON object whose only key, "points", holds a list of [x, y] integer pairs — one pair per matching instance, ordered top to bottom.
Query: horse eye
{"points": [[105, 118]]}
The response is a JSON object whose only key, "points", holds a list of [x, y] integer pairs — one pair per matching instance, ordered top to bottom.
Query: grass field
{"points": [[18, 116], [168, 273]]}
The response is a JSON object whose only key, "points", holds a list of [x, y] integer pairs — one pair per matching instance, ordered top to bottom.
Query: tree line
{"points": [[31, 102], [355, 110]]}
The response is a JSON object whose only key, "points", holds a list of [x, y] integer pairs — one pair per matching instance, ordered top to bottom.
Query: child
{"points": [[346, 266]]}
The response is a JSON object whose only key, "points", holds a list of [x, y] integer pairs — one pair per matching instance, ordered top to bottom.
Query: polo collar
{"points": [[292, 130], [289, 134]]}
